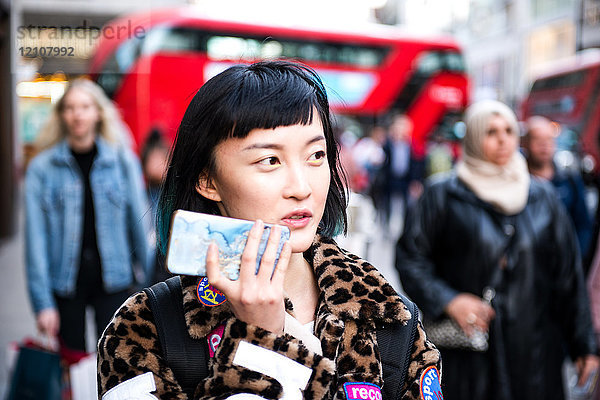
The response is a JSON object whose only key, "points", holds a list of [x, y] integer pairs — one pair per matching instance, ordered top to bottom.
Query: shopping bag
{"points": [[37, 375], [83, 378]]}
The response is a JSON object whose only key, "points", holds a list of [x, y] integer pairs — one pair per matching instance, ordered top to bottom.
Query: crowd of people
{"points": [[496, 239]]}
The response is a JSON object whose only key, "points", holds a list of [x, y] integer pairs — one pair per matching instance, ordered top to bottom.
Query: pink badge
{"points": [[214, 339], [362, 391]]}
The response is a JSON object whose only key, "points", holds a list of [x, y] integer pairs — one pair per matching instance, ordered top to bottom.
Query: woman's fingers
{"points": [[270, 254], [248, 264], [281, 267], [213, 272], [256, 298], [470, 312], [48, 322]]}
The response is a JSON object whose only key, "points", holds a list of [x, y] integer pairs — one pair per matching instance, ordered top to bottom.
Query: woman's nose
{"points": [[503, 136], [297, 184]]}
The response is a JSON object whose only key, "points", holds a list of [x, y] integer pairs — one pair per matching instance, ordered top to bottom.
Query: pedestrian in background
{"points": [[539, 144], [155, 154], [368, 155], [399, 178], [84, 209], [489, 225]]}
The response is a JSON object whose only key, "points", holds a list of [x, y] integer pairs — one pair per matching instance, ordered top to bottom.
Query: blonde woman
{"points": [[489, 224], [85, 226]]}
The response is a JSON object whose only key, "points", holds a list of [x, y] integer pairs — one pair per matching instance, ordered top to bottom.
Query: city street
{"points": [[467, 105]]}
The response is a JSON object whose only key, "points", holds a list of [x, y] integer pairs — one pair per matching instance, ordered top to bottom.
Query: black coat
{"points": [[453, 241]]}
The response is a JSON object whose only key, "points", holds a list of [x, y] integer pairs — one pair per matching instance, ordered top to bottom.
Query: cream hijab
{"points": [[505, 187]]}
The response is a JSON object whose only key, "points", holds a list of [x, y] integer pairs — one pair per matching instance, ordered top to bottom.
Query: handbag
{"points": [[445, 332], [37, 375]]}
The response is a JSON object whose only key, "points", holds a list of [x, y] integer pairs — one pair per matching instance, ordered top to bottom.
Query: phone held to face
{"points": [[192, 233]]}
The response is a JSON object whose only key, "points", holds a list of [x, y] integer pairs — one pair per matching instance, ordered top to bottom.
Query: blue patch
{"points": [[208, 295], [430, 385]]}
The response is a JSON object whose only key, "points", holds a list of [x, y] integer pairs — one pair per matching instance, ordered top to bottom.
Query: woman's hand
{"points": [[256, 299], [470, 311], [48, 322], [586, 365]]}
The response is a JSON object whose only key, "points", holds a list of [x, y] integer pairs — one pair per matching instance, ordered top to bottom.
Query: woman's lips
{"points": [[297, 220]]}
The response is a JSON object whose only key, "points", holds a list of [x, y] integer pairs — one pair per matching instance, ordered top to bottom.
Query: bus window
{"points": [[175, 39], [231, 46], [454, 61], [432, 62], [428, 64], [118, 65], [561, 81]]}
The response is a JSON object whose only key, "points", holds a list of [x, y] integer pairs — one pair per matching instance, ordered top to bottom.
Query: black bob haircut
{"points": [[264, 95]]}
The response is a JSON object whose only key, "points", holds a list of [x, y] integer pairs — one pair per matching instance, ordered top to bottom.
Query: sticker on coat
{"points": [[292, 375], [430, 385], [137, 388], [362, 391]]}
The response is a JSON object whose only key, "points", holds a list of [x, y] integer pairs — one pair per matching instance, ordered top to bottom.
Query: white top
{"points": [[303, 332]]}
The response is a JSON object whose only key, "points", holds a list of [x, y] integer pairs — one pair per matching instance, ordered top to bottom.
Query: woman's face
{"points": [[80, 113], [499, 142], [280, 176]]}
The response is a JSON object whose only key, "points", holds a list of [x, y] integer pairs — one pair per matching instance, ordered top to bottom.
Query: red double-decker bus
{"points": [[369, 74], [570, 96]]}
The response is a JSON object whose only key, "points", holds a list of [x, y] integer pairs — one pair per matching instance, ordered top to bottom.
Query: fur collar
{"points": [[350, 289]]}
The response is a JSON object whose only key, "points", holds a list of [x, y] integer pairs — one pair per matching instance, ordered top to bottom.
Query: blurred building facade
{"points": [[67, 24], [507, 43]]}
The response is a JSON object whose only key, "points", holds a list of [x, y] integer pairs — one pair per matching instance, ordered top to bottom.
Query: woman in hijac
{"points": [[488, 232]]}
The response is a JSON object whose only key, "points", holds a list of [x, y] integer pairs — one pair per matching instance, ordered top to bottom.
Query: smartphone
{"points": [[192, 232]]}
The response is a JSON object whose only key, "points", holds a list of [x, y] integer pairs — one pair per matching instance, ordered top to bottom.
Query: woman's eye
{"points": [[318, 157], [269, 161]]}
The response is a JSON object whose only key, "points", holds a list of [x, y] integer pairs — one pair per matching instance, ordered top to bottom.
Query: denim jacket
{"points": [[54, 220]]}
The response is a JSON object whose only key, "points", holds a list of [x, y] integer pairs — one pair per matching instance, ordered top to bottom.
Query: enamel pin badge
{"points": [[208, 295]]}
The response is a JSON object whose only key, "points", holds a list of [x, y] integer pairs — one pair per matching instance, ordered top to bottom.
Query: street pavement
{"points": [[16, 317]]}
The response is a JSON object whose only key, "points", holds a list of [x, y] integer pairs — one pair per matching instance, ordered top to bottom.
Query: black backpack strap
{"points": [[395, 344], [187, 357]]}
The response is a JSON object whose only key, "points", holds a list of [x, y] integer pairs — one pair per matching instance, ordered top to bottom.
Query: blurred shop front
{"points": [[53, 43], [43, 45]]}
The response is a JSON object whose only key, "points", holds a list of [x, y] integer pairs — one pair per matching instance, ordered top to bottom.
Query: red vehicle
{"points": [[153, 72], [570, 96]]}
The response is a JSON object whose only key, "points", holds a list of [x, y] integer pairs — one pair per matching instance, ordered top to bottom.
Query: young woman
{"points": [[256, 143], [84, 208], [489, 225]]}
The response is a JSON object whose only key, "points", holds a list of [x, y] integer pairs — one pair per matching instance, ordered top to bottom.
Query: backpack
{"points": [[188, 358]]}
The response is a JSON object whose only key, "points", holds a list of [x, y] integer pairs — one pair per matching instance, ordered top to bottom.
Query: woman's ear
{"points": [[206, 188]]}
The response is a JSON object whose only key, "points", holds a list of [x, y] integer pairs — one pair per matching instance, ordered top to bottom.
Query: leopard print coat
{"points": [[354, 299]]}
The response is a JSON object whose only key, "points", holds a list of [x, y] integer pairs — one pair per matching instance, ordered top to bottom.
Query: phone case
{"points": [[192, 232]]}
